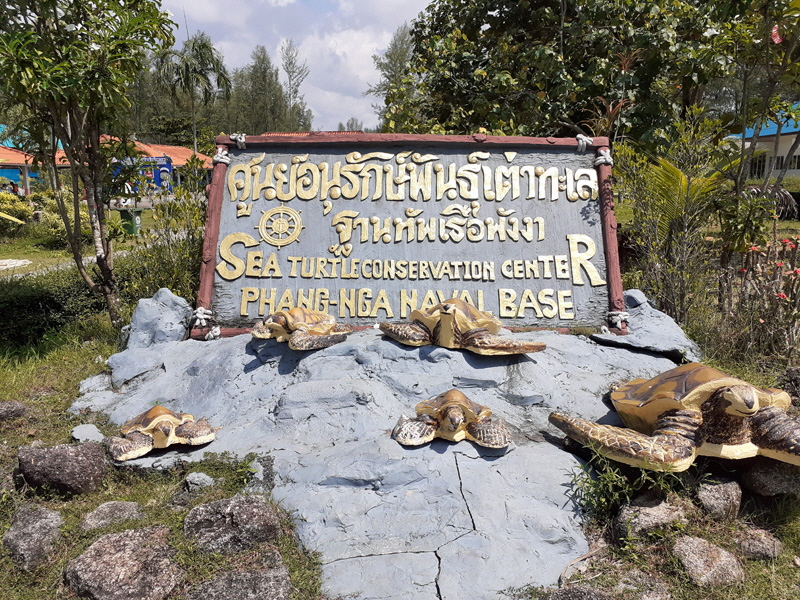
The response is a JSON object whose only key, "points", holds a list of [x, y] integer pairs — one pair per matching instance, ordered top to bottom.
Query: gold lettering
{"points": [[225, 252], [580, 260], [255, 264], [562, 266], [249, 294], [364, 297], [266, 299], [528, 300], [347, 302], [408, 302], [381, 303], [565, 305], [507, 307], [550, 307]]}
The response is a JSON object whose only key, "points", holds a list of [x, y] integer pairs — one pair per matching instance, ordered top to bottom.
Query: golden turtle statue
{"points": [[456, 324], [303, 328], [692, 410], [454, 417], [158, 427]]}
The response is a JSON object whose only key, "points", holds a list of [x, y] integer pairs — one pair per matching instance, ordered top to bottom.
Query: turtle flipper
{"points": [[411, 334], [302, 340], [481, 341], [415, 432], [194, 433], [491, 433], [777, 434], [133, 445], [663, 451]]}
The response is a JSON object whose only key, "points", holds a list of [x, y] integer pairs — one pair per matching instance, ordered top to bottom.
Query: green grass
{"points": [[30, 248], [45, 378]]}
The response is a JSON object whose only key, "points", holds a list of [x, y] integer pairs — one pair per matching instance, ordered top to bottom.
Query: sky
{"points": [[336, 38]]}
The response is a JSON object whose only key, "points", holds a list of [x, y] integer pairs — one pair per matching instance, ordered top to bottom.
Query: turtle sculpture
{"points": [[456, 324], [304, 329], [692, 410], [454, 417], [158, 427]]}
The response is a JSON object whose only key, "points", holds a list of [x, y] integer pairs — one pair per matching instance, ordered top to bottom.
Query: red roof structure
{"points": [[178, 154], [11, 157]]}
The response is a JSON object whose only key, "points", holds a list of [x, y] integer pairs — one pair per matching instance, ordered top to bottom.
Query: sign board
{"points": [[371, 227]]}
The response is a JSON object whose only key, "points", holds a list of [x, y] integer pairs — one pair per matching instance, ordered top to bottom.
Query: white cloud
{"points": [[337, 38]]}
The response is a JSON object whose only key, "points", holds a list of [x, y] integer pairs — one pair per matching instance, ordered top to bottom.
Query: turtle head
{"points": [[275, 326], [742, 400], [453, 418]]}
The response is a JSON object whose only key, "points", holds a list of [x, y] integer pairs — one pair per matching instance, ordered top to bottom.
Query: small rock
{"points": [[12, 410], [87, 433], [69, 468], [769, 477], [263, 479], [195, 482], [721, 500], [111, 513], [640, 518], [232, 525], [31, 535], [760, 544], [796, 561], [706, 564], [132, 565], [270, 583], [575, 592]]}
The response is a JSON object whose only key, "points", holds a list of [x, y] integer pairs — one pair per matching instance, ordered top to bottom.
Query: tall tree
{"points": [[68, 66], [393, 66], [555, 67], [198, 70], [296, 73], [258, 102], [353, 124]]}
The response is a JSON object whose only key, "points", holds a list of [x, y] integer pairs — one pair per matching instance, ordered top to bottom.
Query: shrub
{"points": [[17, 207], [168, 254], [37, 304]]}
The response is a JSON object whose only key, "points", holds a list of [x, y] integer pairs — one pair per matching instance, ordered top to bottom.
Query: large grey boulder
{"points": [[162, 318], [653, 331], [67, 469], [465, 521], [232, 525], [30, 538], [132, 565]]}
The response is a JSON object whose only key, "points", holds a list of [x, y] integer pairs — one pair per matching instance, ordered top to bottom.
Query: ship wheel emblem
{"points": [[280, 226]]}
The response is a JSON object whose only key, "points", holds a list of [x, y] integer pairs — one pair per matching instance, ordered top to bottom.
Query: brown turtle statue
{"points": [[456, 324], [303, 328], [689, 411], [452, 416], [158, 427]]}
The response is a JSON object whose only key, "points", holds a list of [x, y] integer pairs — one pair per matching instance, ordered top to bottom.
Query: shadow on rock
{"points": [[270, 351]]}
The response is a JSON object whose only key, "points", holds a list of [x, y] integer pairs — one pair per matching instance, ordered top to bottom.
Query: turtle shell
{"points": [[467, 316], [311, 321], [641, 401], [435, 407], [147, 421]]}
